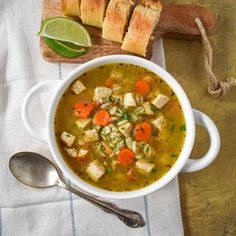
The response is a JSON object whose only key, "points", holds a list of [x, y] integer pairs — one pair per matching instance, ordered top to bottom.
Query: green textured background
{"points": [[208, 197]]}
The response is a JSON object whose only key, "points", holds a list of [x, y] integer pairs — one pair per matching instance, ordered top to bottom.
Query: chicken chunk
{"points": [[78, 87], [102, 94], [129, 100], [160, 100], [147, 108], [160, 122], [83, 123], [125, 129], [91, 135], [67, 138], [72, 152], [82, 152], [144, 167], [95, 170]]}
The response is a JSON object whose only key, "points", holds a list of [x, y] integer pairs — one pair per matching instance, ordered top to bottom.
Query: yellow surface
{"points": [[208, 197]]}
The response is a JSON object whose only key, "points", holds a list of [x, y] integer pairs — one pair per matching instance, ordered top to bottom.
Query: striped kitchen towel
{"points": [[25, 211]]}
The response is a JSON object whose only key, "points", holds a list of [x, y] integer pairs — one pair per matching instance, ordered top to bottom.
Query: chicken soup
{"points": [[119, 127]]}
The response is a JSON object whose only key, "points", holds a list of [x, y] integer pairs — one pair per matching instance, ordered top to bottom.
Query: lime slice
{"points": [[65, 29], [65, 49]]}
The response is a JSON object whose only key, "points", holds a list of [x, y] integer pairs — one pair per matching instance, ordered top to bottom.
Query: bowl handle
{"points": [[45, 86], [199, 164]]}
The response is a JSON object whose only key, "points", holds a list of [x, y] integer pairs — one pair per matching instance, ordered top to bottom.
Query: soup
{"points": [[119, 127]]}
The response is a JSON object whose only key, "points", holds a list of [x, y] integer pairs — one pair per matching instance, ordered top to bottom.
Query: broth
{"points": [[98, 154]]}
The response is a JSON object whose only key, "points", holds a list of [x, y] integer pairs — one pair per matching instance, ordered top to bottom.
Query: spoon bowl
{"points": [[33, 170]]}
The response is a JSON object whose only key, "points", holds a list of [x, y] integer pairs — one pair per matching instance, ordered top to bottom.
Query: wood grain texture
{"points": [[178, 21], [175, 22]]}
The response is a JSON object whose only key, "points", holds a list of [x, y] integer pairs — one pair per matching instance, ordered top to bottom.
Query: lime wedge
{"points": [[65, 29], [65, 49]]}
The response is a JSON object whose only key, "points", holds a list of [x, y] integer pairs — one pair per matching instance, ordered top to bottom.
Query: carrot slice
{"points": [[109, 83], [142, 87], [83, 109], [102, 118], [143, 131], [125, 157]]}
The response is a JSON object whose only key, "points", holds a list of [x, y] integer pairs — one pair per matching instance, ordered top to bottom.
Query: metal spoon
{"points": [[37, 171]]}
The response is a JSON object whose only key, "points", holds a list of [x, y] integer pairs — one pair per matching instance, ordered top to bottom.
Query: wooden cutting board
{"points": [[177, 21]]}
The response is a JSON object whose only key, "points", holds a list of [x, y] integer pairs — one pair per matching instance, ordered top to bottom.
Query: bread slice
{"points": [[154, 4], [71, 7], [93, 11], [117, 16], [142, 24]]}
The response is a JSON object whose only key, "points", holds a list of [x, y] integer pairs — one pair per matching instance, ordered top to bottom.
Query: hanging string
{"points": [[216, 87]]}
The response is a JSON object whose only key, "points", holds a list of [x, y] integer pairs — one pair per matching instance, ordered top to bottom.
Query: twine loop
{"points": [[216, 87]]}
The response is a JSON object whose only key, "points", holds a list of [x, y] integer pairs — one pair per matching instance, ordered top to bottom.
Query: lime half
{"points": [[65, 29], [65, 49]]}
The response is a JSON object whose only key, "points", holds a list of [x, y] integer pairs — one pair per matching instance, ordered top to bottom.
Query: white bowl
{"points": [[183, 162]]}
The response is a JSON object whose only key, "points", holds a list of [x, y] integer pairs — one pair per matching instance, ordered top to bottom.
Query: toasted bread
{"points": [[154, 4], [71, 7], [93, 11], [117, 16], [143, 22]]}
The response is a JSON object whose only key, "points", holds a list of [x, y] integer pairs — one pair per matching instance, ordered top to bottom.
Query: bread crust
{"points": [[154, 4], [71, 7], [93, 11], [116, 19], [142, 24]]}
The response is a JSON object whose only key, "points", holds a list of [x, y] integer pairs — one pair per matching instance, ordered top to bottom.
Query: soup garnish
{"points": [[119, 127]]}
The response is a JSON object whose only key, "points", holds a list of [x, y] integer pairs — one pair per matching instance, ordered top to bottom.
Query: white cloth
{"points": [[25, 211]]}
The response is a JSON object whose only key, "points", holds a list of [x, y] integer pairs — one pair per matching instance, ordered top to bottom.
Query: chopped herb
{"points": [[172, 93], [110, 99], [153, 108], [125, 116], [183, 127], [172, 129], [100, 130], [68, 135], [132, 135], [102, 147], [146, 148], [173, 155], [109, 170], [154, 170]]}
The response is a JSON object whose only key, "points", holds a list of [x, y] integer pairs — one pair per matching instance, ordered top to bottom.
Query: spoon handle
{"points": [[131, 218]]}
